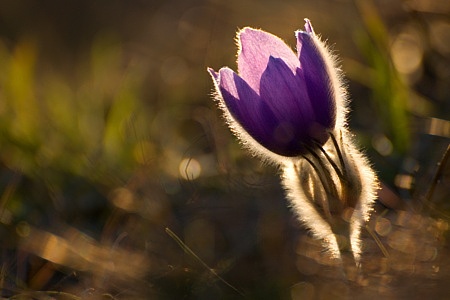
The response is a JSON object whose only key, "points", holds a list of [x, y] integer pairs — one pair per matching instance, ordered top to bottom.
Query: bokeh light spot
{"points": [[407, 52], [438, 127], [382, 144], [190, 168], [404, 181], [123, 198], [383, 226]]}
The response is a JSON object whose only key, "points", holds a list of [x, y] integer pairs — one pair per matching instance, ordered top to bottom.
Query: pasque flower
{"points": [[285, 101], [290, 108]]}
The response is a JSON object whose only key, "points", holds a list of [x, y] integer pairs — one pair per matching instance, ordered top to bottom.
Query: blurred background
{"points": [[120, 180]]}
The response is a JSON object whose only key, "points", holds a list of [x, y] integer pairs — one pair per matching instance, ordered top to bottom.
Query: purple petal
{"points": [[308, 27], [256, 47], [214, 75], [317, 80], [285, 92], [287, 97], [253, 114], [280, 136]]}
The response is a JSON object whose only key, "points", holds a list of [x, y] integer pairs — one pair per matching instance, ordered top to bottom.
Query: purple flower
{"points": [[284, 101]]}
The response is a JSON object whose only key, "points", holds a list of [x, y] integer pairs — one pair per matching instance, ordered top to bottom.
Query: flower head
{"points": [[284, 101], [290, 107]]}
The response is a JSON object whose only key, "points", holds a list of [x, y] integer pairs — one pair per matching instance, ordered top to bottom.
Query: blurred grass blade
{"points": [[390, 93], [438, 174]]}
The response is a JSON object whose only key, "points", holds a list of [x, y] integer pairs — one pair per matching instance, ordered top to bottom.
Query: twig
{"points": [[377, 241], [199, 260]]}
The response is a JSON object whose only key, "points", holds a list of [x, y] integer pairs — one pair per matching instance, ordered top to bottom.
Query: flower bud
{"points": [[284, 101]]}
